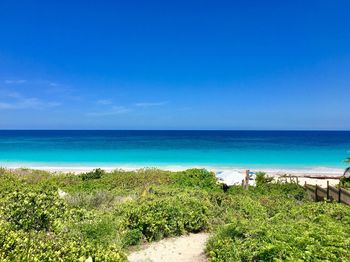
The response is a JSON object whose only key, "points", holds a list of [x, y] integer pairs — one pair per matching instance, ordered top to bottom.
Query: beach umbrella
{"points": [[230, 177]]}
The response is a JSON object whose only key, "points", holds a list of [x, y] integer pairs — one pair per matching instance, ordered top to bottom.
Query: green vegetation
{"points": [[95, 174], [261, 179], [345, 180], [98, 215], [153, 219], [281, 228]]}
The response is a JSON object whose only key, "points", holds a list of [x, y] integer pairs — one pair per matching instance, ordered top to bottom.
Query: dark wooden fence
{"points": [[332, 193]]}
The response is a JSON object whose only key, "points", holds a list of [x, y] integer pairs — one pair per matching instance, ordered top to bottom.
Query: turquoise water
{"points": [[289, 149]]}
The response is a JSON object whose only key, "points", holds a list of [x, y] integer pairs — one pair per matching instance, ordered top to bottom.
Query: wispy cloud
{"points": [[15, 81], [32, 81], [47, 84], [54, 84], [60, 90], [18, 101], [104, 102], [28, 103], [150, 104], [109, 109], [114, 110]]}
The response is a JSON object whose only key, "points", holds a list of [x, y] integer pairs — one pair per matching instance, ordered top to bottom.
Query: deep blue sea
{"points": [[289, 149]]}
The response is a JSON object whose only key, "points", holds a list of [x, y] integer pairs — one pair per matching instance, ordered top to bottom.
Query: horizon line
{"points": [[279, 130]]}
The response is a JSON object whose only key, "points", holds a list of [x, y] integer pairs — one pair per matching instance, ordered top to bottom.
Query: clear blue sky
{"points": [[175, 64]]}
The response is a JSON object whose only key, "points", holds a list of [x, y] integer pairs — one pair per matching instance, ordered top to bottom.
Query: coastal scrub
{"points": [[99, 216]]}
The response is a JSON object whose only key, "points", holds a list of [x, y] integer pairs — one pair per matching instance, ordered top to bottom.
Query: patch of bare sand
{"points": [[188, 248]]}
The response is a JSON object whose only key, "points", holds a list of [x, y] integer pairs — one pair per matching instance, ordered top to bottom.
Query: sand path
{"points": [[188, 248]]}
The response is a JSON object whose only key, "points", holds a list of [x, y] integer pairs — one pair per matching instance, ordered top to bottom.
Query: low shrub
{"points": [[95, 174], [196, 178], [139, 179], [261, 179], [117, 181], [282, 190], [93, 200], [31, 209], [154, 219], [270, 222], [102, 229], [293, 233], [132, 237], [49, 247]]}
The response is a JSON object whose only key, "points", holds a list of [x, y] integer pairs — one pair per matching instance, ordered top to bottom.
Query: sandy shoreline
{"points": [[272, 170], [303, 174]]}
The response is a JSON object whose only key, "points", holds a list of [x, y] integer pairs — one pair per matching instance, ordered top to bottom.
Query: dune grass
{"points": [[99, 215]]}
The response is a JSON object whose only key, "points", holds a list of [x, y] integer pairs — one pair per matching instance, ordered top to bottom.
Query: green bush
{"points": [[95, 174], [196, 178], [261, 179], [117, 181], [345, 182], [8, 183], [282, 190], [93, 200], [33, 209], [158, 218], [101, 229], [305, 232], [132, 237], [49, 247]]}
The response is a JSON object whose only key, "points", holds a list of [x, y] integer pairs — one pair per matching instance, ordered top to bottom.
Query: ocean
{"points": [[243, 149]]}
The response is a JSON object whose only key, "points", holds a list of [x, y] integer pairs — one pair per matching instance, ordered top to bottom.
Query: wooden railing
{"points": [[331, 193]]}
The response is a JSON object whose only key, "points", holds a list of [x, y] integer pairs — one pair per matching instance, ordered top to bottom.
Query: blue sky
{"points": [[175, 64]]}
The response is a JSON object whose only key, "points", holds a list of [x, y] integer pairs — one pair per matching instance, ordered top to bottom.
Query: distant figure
{"points": [[225, 187]]}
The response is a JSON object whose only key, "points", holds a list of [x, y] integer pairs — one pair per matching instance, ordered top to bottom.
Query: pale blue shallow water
{"points": [[289, 149]]}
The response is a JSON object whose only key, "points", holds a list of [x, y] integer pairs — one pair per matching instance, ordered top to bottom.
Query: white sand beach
{"points": [[313, 176]]}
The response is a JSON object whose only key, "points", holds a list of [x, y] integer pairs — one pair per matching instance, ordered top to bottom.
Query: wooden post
{"points": [[247, 179], [297, 181], [327, 189], [316, 194], [339, 194]]}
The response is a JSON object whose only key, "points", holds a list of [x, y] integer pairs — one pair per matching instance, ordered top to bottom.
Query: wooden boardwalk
{"points": [[318, 193], [331, 193]]}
